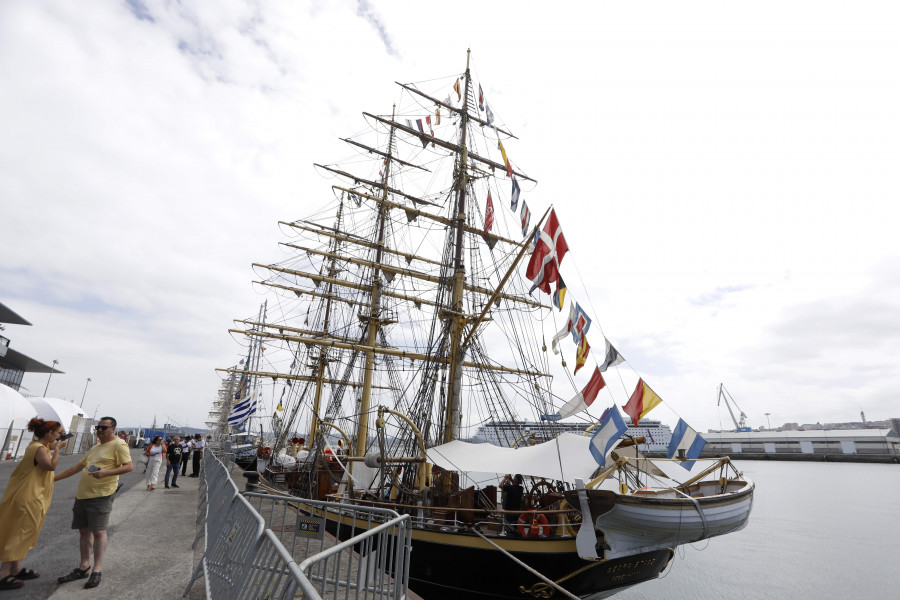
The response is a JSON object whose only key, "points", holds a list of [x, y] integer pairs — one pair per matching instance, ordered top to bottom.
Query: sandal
{"points": [[26, 574], [75, 574], [94, 581], [10, 583]]}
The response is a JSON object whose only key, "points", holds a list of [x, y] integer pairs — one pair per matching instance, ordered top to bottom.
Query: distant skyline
{"points": [[725, 174]]}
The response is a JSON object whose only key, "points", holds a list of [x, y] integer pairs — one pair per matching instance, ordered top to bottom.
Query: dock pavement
{"points": [[149, 555]]}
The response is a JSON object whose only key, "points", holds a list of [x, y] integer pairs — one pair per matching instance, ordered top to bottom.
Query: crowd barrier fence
{"points": [[253, 542]]}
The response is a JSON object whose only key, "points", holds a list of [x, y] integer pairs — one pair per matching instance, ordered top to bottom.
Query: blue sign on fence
{"points": [[313, 527]]}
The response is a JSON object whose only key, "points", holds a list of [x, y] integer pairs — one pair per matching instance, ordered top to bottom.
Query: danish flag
{"points": [[551, 248]]}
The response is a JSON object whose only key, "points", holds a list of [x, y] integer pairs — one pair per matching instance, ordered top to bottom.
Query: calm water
{"points": [[817, 530]]}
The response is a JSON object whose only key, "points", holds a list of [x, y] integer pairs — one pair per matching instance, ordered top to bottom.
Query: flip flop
{"points": [[26, 574], [10, 583]]}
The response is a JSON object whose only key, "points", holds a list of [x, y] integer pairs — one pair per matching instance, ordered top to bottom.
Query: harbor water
{"points": [[818, 530]]}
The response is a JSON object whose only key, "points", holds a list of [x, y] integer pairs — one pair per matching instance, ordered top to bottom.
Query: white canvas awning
{"points": [[563, 458]]}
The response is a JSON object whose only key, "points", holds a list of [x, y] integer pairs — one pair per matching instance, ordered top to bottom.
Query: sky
{"points": [[725, 173]]}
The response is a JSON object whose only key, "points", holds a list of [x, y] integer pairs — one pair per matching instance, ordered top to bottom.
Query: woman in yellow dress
{"points": [[26, 500]]}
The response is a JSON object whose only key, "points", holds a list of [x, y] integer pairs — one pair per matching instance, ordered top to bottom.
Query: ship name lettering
{"points": [[632, 565]]}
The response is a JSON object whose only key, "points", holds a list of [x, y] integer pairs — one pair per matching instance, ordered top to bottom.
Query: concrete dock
{"points": [[150, 535]]}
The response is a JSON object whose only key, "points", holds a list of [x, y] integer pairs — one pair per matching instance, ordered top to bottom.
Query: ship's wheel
{"points": [[543, 495]]}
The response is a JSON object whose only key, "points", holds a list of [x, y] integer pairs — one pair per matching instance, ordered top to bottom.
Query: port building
{"points": [[849, 445]]}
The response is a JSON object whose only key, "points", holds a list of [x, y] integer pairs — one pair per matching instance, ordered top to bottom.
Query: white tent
{"points": [[56, 409], [15, 412], [563, 458]]}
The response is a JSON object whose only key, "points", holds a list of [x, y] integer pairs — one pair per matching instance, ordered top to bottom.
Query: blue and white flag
{"points": [[490, 116], [514, 196], [578, 325], [242, 411], [607, 435], [686, 438]]}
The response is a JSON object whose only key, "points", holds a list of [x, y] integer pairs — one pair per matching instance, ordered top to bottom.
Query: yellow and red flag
{"points": [[509, 172], [581, 353], [642, 401]]}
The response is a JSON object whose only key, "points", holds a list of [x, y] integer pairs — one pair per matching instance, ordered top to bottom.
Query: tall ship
{"points": [[424, 299], [656, 434]]}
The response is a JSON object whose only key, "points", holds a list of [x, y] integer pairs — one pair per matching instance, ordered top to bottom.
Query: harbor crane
{"points": [[729, 400]]}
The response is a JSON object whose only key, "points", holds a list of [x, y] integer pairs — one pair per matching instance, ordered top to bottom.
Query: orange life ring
{"points": [[530, 525]]}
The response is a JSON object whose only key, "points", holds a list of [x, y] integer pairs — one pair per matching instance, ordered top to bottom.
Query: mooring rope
{"points": [[546, 580]]}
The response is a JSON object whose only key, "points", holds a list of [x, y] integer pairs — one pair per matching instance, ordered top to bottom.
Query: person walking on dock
{"points": [[199, 445], [186, 447], [155, 453], [173, 461], [100, 469], [26, 501]]}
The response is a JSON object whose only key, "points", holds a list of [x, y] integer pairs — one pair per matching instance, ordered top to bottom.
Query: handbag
{"points": [[144, 459]]}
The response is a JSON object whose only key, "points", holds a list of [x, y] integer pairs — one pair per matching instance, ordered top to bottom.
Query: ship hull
{"points": [[645, 522], [452, 565], [448, 571]]}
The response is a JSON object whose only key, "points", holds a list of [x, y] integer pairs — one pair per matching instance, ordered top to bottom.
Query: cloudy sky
{"points": [[726, 174]]}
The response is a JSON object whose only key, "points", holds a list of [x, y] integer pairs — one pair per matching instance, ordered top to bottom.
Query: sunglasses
{"points": [[101, 427]]}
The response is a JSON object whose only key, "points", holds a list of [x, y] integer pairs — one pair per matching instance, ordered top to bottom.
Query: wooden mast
{"points": [[373, 320], [323, 357], [452, 412]]}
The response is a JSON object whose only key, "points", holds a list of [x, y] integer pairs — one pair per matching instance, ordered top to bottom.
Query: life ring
{"points": [[264, 452], [530, 525]]}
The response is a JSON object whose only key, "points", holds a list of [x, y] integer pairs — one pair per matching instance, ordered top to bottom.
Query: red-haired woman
{"points": [[26, 501]]}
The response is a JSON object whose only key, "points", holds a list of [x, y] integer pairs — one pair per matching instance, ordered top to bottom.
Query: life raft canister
{"points": [[531, 525]]}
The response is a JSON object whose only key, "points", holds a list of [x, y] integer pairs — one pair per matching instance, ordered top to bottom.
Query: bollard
{"points": [[252, 478]]}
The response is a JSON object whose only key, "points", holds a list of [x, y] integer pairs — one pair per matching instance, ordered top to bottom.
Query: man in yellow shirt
{"points": [[100, 469]]}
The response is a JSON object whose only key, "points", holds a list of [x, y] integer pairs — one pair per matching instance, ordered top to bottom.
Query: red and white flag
{"points": [[489, 214], [526, 218], [551, 248], [581, 401]]}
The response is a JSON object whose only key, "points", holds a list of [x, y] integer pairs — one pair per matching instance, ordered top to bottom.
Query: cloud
{"points": [[139, 10], [365, 10], [727, 223], [718, 295]]}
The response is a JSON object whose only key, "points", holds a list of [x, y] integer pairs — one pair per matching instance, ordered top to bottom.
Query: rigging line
{"points": [[594, 311]]}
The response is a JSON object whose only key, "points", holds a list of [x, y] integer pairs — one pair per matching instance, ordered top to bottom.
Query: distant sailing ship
{"points": [[405, 320]]}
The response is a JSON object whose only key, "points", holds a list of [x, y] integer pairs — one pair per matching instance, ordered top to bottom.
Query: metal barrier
{"points": [[253, 542], [358, 548]]}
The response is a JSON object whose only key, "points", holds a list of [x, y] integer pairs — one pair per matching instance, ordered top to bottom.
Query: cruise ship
{"points": [[518, 433]]}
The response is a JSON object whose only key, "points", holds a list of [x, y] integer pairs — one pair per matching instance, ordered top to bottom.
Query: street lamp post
{"points": [[53, 368], [80, 404], [767, 421]]}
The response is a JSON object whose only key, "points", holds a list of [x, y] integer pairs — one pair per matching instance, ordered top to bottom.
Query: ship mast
{"points": [[373, 320], [457, 321], [256, 356], [323, 357]]}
